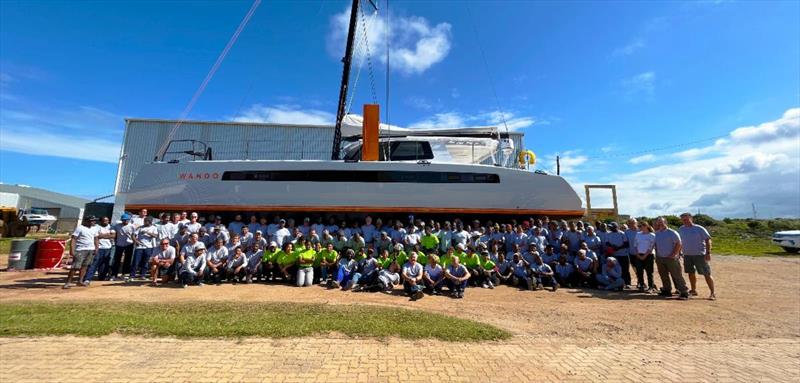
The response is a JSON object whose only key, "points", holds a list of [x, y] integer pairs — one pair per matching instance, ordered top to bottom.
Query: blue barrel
{"points": [[23, 252]]}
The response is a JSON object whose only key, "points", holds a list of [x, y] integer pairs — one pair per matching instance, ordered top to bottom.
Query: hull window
{"points": [[361, 176]]}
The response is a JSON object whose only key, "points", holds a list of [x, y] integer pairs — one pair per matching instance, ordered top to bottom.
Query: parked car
{"points": [[788, 240]]}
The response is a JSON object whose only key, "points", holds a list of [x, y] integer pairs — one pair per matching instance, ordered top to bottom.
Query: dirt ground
{"points": [[758, 298]]}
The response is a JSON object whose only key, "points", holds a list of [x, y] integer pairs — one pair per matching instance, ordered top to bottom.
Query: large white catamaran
{"points": [[379, 170]]}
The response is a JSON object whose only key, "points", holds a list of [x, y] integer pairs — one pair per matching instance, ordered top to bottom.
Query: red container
{"points": [[48, 253]]}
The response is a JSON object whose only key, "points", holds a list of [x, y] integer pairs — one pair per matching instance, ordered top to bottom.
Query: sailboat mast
{"points": [[348, 56]]}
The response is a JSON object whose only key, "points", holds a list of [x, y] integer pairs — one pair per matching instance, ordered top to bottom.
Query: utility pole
{"points": [[754, 210]]}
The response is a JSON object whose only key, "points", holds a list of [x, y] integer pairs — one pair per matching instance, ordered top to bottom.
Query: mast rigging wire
{"points": [[486, 67], [208, 77]]}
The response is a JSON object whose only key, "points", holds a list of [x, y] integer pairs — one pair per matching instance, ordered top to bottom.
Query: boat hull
{"points": [[360, 187]]}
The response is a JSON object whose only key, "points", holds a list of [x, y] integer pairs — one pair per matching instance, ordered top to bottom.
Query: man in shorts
{"points": [[696, 244], [82, 249], [162, 263]]}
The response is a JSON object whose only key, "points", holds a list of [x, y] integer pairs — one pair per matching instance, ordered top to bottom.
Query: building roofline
{"points": [[206, 122]]}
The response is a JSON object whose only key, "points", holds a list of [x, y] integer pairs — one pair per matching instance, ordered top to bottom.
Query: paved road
{"points": [[123, 359]]}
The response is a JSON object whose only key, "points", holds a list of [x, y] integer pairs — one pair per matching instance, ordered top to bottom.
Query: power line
{"points": [[657, 149]]}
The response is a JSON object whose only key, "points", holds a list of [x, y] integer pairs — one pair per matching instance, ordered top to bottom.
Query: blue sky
{"points": [[599, 83]]}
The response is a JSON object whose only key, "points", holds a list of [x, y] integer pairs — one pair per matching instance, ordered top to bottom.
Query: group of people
{"points": [[425, 257]]}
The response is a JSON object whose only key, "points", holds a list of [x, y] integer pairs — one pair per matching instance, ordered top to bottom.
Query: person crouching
{"points": [[194, 266], [236, 270], [457, 277]]}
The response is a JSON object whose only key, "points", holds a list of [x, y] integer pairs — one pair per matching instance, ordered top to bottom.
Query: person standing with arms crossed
{"points": [[696, 253]]}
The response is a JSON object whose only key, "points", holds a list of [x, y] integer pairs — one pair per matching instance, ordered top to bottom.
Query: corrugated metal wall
{"points": [[230, 141]]}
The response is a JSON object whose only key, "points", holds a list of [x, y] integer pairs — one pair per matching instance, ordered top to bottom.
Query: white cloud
{"points": [[415, 44], [629, 48], [642, 83], [454, 93], [286, 114], [440, 120], [459, 120], [82, 132], [59, 145], [642, 159], [758, 164]]}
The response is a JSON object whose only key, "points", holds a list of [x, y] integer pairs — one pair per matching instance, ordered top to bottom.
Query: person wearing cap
{"points": [[193, 226], [205, 237], [144, 244], [696, 244], [617, 245], [123, 247], [82, 249], [399, 255], [216, 259], [101, 262], [269, 262], [162, 263], [194, 266], [457, 277], [412, 278], [610, 278]]}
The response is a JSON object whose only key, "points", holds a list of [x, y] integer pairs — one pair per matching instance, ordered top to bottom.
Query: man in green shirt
{"points": [[430, 242], [399, 255], [471, 261], [269, 262], [287, 262], [327, 262], [488, 271]]}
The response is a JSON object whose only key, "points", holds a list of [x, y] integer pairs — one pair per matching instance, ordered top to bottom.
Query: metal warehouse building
{"points": [[229, 141], [67, 208]]}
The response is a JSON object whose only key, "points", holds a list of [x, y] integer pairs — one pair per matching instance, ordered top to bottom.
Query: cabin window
{"points": [[360, 176]]}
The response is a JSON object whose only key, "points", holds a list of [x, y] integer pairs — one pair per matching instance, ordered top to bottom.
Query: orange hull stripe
{"points": [[356, 209]]}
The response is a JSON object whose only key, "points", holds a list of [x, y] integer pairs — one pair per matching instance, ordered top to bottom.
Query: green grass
{"points": [[748, 237], [233, 320]]}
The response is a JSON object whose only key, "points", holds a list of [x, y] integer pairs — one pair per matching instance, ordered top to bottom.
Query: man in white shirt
{"points": [[193, 226], [236, 226], [368, 230], [281, 234], [105, 235], [145, 241], [123, 247], [82, 249], [162, 261]]}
